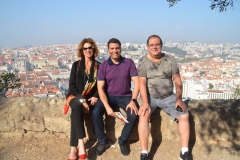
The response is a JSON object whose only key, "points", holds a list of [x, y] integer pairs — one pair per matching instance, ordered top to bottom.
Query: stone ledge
{"points": [[211, 121]]}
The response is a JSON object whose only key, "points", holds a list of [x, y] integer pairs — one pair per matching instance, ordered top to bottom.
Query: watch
{"points": [[82, 100], [134, 100]]}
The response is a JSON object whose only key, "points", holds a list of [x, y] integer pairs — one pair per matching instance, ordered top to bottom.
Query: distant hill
{"points": [[177, 51], [186, 60]]}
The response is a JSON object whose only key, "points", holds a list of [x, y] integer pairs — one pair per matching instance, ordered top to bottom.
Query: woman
{"points": [[82, 94]]}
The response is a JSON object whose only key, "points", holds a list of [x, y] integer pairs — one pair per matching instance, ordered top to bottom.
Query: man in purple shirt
{"points": [[114, 87]]}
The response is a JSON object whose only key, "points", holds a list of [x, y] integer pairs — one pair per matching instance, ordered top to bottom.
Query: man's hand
{"points": [[93, 100], [132, 105], [182, 105], [85, 107], [145, 107], [111, 113]]}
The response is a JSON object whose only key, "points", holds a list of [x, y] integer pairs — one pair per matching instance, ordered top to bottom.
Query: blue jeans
{"points": [[115, 102]]}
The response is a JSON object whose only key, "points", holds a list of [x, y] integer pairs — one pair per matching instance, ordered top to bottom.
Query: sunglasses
{"points": [[90, 48]]}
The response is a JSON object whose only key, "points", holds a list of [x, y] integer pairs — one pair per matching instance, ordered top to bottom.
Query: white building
{"points": [[188, 88], [219, 94]]}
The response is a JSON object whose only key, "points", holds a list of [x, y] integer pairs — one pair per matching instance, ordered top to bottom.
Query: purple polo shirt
{"points": [[117, 77]]}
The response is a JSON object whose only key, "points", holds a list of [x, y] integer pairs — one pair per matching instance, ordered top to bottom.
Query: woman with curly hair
{"points": [[82, 94]]}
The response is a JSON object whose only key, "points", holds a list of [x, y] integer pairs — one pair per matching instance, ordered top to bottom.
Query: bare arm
{"points": [[178, 85], [136, 87], [143, 92], [103, 97], [132, 105]]}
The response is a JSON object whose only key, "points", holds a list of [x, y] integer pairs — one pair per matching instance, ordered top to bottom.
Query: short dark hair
{"points": [[154, 36], [114, 40]]}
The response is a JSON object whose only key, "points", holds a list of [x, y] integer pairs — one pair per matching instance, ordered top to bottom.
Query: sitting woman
{"points": [[82, 94]]}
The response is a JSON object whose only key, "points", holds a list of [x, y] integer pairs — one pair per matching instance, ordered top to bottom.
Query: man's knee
{"points": [[97, 111], [132, 116], [184, 117], [145, 118]]}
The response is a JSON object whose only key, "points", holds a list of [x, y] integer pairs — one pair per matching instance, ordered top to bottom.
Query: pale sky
{"points": [[38, 22]]}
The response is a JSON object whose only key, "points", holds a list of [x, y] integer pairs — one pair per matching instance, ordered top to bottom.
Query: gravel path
{"points": [[52, 147]]}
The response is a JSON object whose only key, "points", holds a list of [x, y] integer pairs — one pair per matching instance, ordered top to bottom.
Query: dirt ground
{"points": [[53, 147]]}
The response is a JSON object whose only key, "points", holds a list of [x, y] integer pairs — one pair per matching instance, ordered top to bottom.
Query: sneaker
{"points": [[100, 149], [124, 149], [144, 156], [185, 156]]}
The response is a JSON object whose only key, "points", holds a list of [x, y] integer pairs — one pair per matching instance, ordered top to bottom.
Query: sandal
{"points": [[82, 156]]}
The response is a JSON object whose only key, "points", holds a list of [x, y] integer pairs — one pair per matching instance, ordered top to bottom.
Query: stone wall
{"points": [[212, 121]]}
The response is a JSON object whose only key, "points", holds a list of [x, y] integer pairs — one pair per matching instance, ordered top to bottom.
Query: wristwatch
{"points": [[82, 100], [134, 100]]}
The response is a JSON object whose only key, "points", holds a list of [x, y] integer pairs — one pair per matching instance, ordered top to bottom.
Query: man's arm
{"points": [[178, 85], [136, 87], [143, 92], [103, 97], [132, 105]]}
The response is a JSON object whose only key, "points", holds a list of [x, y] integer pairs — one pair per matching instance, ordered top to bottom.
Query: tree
{"points": [[221, 5], [132, 48], [202, 72], [58, 79], [8, 80], [210, 86], [236, 94]]}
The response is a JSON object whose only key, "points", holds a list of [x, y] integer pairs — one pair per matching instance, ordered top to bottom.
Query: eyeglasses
{"points": [[154, 45], [90, 48]]}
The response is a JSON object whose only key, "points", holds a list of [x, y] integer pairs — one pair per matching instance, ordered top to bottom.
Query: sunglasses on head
{"points": [[90, 47]]}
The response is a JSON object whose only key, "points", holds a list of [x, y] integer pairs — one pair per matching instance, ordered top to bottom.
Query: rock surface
{"points": [[33, 128]]}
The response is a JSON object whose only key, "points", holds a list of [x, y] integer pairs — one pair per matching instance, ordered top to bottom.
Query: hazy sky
{"points": [[37, 22]]}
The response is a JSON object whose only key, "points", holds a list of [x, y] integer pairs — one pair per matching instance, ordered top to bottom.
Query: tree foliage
{"points": [[221, 5], [132, 48], [202, 72], [9, 81], [210, 86], [236, 94]]}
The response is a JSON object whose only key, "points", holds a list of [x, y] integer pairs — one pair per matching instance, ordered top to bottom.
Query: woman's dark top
{"points": [[78, 79]]}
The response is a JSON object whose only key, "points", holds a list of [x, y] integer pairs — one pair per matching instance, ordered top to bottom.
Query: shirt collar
{"points": [[110, 62]]}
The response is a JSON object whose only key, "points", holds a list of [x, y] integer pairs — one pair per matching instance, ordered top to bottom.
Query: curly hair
{"points": [[80, 47]]}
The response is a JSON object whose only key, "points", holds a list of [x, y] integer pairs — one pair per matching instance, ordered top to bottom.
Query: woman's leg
{"points": [[77, 128], [73, 153]]}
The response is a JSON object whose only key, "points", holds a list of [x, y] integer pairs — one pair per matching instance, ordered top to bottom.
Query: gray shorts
{"points": [[167, 105]]}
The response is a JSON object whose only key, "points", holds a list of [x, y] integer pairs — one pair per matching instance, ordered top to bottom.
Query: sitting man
{"points": [[157, 71], [114, 87]]}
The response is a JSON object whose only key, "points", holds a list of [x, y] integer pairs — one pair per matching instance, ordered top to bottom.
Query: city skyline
{"points": [[67, 22]]}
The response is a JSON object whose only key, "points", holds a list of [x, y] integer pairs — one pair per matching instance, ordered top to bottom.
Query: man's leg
{"points": [[122, 102], [168, 105], [97, 116], [132, 118], [184, 129], [143, 130]]}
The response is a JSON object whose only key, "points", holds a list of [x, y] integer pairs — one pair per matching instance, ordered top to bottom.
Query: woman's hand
{"points": [[93, 100], [85, 107]]}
